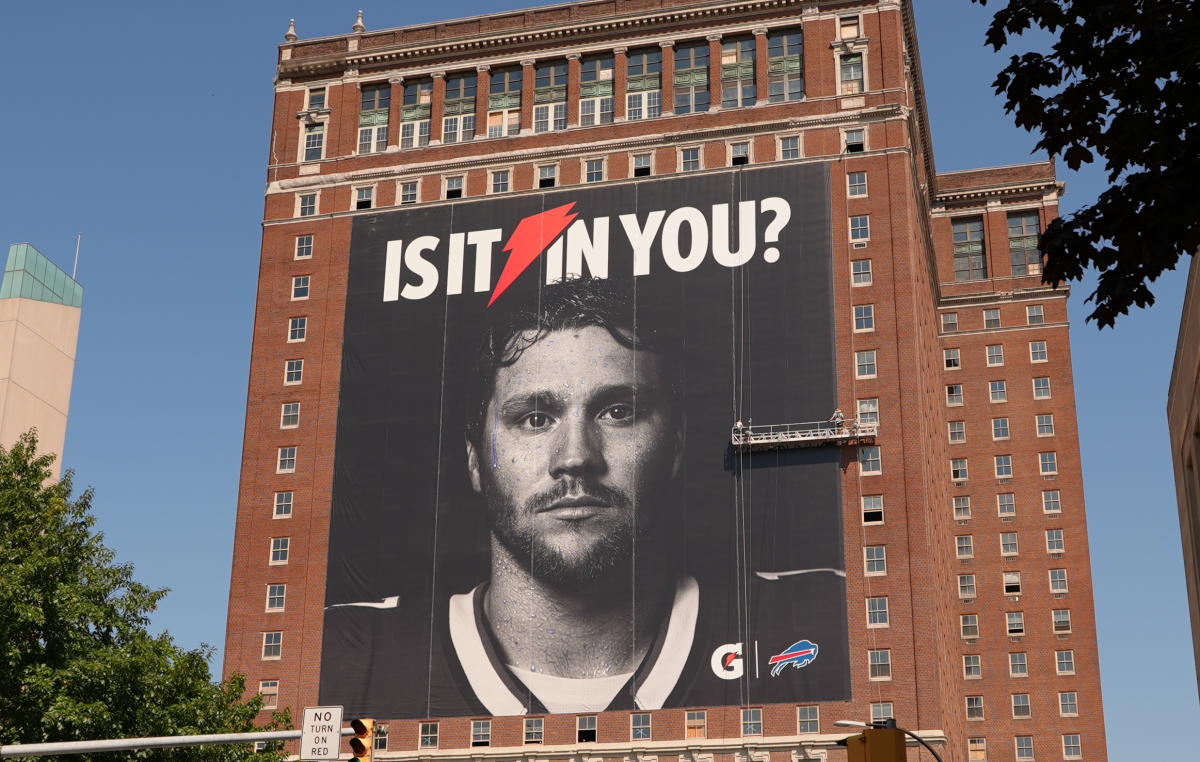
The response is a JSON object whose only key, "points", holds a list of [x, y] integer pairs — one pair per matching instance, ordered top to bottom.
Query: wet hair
{"points": [[568, 304]]}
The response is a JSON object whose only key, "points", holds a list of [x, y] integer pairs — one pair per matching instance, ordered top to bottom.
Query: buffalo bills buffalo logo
{"points": [[797, 655]]}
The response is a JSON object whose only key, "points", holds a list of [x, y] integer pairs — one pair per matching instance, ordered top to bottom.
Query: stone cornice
{"points": [[1037, 188]]}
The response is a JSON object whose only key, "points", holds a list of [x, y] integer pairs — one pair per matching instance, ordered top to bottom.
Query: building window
{"points": [[848, 28], [785, 65], [737, 73], [852, 75], [691, 78], [643, 85], [596, 90], [550, 96], [316, 99], [504, 103], [552, 116], [373, 117], [414, 117], [458, 122], [856, 140], [314, 142], [789, 147], [739, 154], [689, 159], [641, 164], [593, 170], [548, 176], [500, 181], [856, 184], [454, 186], [408, 192], [364, 198], [308, 204], [860, 228], [1023, 231], [304, 247], [970, 259], [860, 272], [300, 286], [1035, 315], [864, 318], [991, 318], [949, 322], [297, 329], [1038, 351], [995, 354], [952, 358], [864, 364], [293, 372], [1041, 388], [998, 391], [954, 394], [868, 411], [289, 415], [1045, 425], [1000, 429], [957, 431], [870, 460], [287, 461], [1048, 462], [1003, 466], [958, 469], [1051, 501], [283, 504], [1006, 504], [962, 507], [872, 509], [1055, 542], [1008, 544], [964, 546], [280, 549], [875, 560], [1058, 580], [1012, 582], [966, 586], [276, 596], [877, 611], [1015, 622], [968, 625], [272, 645], [1064, 662], [880, 664], [1018, 664], [972, 666], [269, 690], [1068, 704], [1020, 706], [974, 707], [882, 711], [809, 718], [752, 722], [696, 724], [639, 726], [534, 729], [585, 729], [481, 732], [428, 735], [381, 737], [1072, 746], [1024, 747], [976, 750]]}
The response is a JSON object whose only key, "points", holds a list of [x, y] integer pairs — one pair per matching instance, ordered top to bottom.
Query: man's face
{"points": [[579, 438]]}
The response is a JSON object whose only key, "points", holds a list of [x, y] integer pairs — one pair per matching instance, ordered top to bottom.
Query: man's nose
{"points": [[578, 448]]}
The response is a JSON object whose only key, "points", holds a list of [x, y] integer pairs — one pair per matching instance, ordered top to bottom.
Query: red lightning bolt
{"points": [[529, 240]]}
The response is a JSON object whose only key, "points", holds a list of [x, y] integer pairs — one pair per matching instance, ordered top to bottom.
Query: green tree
{"points": [[1120, 82], [77, 661]]}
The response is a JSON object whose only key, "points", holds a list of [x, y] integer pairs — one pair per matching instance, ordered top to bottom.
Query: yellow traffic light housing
{"points": [[362, 743]]}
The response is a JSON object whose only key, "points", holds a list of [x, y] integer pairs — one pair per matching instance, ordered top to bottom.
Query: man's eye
{"points": [[618, 413], [535, 421]]}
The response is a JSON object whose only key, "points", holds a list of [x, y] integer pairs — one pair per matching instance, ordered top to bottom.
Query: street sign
{"points": [[321, 733]]}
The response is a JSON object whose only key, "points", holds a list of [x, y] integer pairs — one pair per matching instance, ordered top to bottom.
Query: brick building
{"points": [[968, 573]]}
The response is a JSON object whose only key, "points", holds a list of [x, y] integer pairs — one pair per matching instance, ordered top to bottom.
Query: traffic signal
{"points": [[362, 743], [875, 745]]}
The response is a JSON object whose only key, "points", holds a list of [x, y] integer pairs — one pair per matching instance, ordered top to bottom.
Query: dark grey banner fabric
{"points": [[536, 506]]}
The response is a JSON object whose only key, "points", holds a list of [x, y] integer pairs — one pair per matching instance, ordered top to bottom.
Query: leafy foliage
{"points": [[1121, 83], [76, 659]]}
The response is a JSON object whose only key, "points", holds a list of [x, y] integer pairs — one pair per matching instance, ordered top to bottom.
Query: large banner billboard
{"points": [[536, 506]]}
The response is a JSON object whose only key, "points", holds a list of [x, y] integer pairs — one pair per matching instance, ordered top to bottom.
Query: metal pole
{"points": [[78, 243], [12, 751]]}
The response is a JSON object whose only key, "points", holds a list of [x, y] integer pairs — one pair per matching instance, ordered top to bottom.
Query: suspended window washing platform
{"points": [[783, 436]]}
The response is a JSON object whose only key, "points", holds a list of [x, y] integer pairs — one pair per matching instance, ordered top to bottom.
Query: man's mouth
{"points": [[575, 508]]}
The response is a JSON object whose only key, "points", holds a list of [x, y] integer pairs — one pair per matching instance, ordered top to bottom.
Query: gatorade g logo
{"points": [[727, 662]]}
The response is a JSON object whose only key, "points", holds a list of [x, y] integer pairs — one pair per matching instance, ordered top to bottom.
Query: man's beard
{"points": [[552, 565]]}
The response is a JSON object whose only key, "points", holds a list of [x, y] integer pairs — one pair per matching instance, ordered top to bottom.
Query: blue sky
{"points": [[145, 126]]}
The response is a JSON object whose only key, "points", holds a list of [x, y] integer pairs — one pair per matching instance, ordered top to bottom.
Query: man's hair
{"points": [[575, 303]]}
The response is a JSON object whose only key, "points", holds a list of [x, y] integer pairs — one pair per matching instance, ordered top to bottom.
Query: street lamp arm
{"points": [[921, 741]]}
